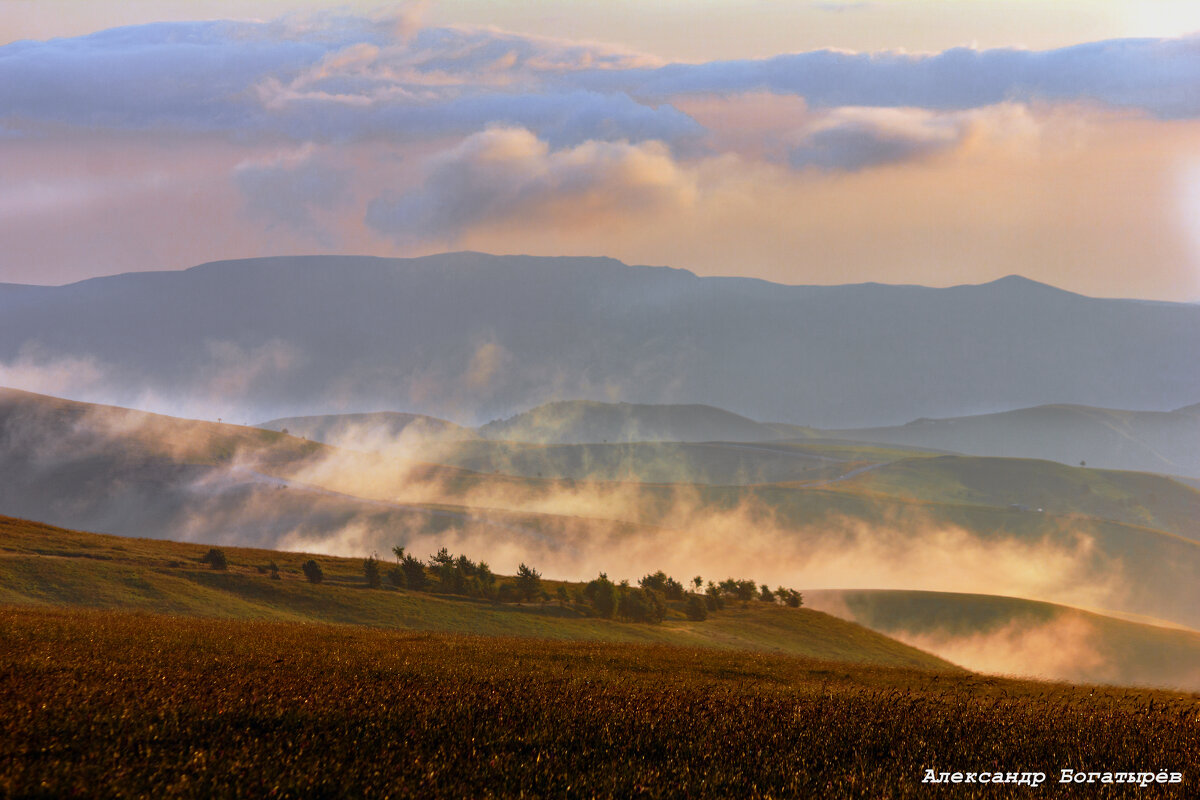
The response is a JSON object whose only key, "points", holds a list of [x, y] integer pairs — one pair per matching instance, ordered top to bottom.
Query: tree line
{"points": [[648, 601]]}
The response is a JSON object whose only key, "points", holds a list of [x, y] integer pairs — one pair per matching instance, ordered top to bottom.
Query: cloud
{"points": [[1158, 76], [335, 78], [340, 78], [856, 138], [509, 173]]}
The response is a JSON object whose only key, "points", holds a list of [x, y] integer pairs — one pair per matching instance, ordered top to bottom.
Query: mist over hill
{"points": [[473, 337], [573, 422]]}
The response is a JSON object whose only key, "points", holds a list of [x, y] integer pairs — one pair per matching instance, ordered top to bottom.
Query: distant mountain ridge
{"points": [[473, 337]]}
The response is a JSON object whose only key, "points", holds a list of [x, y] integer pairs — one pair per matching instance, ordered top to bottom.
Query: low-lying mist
{"points": [[124, 472]]}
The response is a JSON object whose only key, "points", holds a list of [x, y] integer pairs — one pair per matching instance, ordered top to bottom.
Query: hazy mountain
{"points": [[472, 337], [572, 422], [371, 430], [1147, 441]]}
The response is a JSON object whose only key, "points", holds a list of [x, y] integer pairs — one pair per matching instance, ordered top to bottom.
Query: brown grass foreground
{"points": [[107, 703]]}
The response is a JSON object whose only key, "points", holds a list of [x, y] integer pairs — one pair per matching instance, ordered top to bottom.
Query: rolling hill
{"points": [[475, 337], [1145, 441], [849, 514], [46, 566], [1016, 636]]}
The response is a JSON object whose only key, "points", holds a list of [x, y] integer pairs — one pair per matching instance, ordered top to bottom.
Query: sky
{"points": [[936, 142]]}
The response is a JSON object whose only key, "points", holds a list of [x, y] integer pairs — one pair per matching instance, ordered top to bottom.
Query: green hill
{"points": [[45, 566]]}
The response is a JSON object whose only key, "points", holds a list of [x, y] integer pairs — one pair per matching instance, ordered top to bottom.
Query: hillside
{"points": [[489, 336], [578, 421], [1145, 441], [728, 463], [71, 465], [1133, 498], [45, 566], [1025, 637], [225, 708]]}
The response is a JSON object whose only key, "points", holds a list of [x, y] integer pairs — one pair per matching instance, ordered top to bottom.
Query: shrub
{"points": [[215, 559], [312, 571], [371, 571], [601, 594], [766, 595], [790, 597], [640, 605], [696, 610]]}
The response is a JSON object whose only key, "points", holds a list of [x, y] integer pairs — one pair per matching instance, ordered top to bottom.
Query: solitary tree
{"points": [[215, 559], [312, 571]]}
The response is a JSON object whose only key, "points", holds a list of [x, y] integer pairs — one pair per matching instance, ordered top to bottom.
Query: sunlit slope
{"points": [[43, 565], [1026, 637]]}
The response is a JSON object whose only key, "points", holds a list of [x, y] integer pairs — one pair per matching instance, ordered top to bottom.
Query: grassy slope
{"points": [[730, 463], [41, 565], [139, 705]]}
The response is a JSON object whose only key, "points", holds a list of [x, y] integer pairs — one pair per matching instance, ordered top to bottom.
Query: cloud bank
{"points": [[379, 134]]}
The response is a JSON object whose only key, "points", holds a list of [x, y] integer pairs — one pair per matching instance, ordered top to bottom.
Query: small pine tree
{"points": [[312, 571], [371, 571], [414, 573], [528, 582], [697, 609]]}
